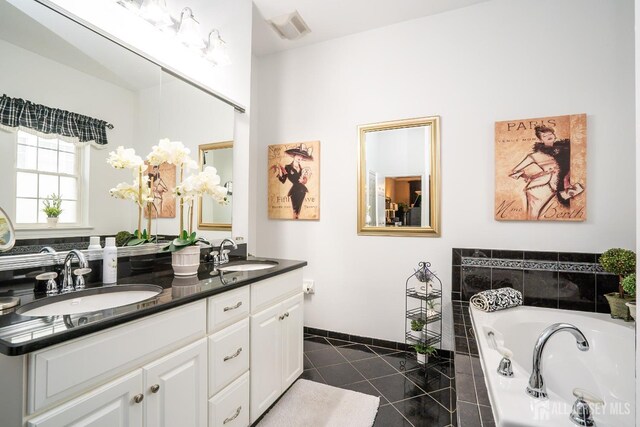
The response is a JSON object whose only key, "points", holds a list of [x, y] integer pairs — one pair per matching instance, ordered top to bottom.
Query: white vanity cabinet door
{"points": [[292, 340], [266, 359], [176, 388], [111, 405]]}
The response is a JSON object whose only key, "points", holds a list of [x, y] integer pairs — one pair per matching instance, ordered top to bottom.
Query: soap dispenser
{"points": [[110, 262]]}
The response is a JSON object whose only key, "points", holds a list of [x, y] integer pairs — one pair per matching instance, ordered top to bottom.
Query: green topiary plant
{"points": [[619, 261], [629, 284]]}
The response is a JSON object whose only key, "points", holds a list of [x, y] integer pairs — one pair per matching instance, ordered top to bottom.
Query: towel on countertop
{"points": [[496, 299]]}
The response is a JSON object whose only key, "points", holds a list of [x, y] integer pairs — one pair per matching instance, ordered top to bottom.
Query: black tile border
{"points": [[548, 279], [400, 346]]}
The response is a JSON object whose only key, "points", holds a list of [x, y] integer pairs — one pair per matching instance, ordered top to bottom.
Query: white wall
{"points": [[493, 61], [30, 76], [637, 139]]}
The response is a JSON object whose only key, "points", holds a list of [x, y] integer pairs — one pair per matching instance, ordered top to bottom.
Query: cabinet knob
{"points": [[286, 314], [281, 317], [155, 388], [138, 398]]}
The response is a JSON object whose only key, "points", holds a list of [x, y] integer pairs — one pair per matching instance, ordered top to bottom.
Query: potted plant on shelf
{"points": [[52, 208], [621, 262], [629, 286], [417, 325], [423, 352]]}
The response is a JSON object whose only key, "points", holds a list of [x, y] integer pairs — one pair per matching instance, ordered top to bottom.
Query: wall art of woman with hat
{"points": [[297, 174]]}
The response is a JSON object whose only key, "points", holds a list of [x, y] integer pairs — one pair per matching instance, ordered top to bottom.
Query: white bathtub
{"points": [[606, 370]]}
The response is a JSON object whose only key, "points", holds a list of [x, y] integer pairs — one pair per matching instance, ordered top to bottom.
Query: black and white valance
{"points": [[16, 113]]}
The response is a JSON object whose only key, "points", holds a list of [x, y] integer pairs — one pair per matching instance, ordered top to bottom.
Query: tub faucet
{"points": [[67, 280], [536, 387]]}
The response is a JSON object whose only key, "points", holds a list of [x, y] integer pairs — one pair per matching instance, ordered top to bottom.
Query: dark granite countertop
{"points": [[21, 334]]}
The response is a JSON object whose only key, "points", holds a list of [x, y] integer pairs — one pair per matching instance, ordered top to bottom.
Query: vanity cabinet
{"points": [[277, 357], [217, 362], [171, 391]]}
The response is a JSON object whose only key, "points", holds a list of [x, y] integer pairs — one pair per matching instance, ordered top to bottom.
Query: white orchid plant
{"points": [[188, 189]]}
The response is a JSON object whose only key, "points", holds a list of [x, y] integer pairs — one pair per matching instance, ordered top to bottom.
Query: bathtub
{"points": [[606, 370]]}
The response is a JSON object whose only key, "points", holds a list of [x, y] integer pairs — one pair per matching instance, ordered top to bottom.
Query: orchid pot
{"points": [[52, 221], [186, 261]]}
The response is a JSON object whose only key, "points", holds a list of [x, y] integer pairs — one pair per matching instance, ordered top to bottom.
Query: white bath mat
{"points": [[312, 404]]}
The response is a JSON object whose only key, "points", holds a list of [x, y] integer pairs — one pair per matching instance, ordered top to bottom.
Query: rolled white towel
{"points": [[496, 299]]}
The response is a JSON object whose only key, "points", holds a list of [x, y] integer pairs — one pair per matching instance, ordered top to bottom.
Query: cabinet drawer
{"points": [[275, 289], [227, 308], [228, 355], [70, 368], [230, 407]]}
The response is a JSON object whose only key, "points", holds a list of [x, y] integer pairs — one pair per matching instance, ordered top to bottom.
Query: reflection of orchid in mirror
{"points": [[205, 182], [4, 231]]}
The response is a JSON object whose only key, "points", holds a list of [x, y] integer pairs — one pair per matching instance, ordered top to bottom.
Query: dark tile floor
{"points": [[409, 394]]}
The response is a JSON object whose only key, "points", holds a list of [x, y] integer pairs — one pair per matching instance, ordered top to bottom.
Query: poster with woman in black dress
{"points": [[294, 181]]}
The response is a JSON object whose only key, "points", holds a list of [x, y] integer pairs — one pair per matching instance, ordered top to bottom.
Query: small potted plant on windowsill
{"points": [[52, 208], [621, 262], [629, 286], [423, 352]]}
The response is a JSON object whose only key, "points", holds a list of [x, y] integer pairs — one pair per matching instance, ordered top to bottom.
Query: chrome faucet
{"points": [[47, 249], [223, 257], [67, 280], [536, 387]]}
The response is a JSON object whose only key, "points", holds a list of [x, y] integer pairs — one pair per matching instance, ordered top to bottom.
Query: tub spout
{"points": [[536, 387]]}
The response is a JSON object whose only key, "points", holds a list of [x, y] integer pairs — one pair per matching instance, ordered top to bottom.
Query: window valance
{"points": [[17, 113]]}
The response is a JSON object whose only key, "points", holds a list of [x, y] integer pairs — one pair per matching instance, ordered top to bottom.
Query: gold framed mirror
{"points": [[399, 178], [211, 215]]}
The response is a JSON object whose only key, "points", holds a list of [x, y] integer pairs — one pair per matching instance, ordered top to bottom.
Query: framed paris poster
{"points": [[541, 169], [294, 180]]}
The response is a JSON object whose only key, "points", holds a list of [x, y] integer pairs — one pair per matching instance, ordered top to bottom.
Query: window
{"points": [[43, 167]]}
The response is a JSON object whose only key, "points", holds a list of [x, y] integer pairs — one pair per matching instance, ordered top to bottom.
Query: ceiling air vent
{"points": [[290, 26]]}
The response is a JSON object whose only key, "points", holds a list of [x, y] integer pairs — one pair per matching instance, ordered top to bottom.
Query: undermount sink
{"points": [[248, 266], [89, 300]]}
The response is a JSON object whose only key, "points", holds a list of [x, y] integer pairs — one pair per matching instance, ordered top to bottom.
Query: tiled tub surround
{"points": [[572, 281], [605, 369], [473, 405]]}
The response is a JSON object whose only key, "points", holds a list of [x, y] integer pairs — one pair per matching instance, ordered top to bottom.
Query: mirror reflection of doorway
{"points": [[404, 200]]}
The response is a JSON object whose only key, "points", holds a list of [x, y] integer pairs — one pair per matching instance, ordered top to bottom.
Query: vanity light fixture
{"points": [[155, 11], [189, 30], [216, 51]]}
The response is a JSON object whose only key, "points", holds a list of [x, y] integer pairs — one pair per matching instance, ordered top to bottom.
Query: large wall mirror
{"points": [[52, 60], [399, 178], [211, 215]]}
